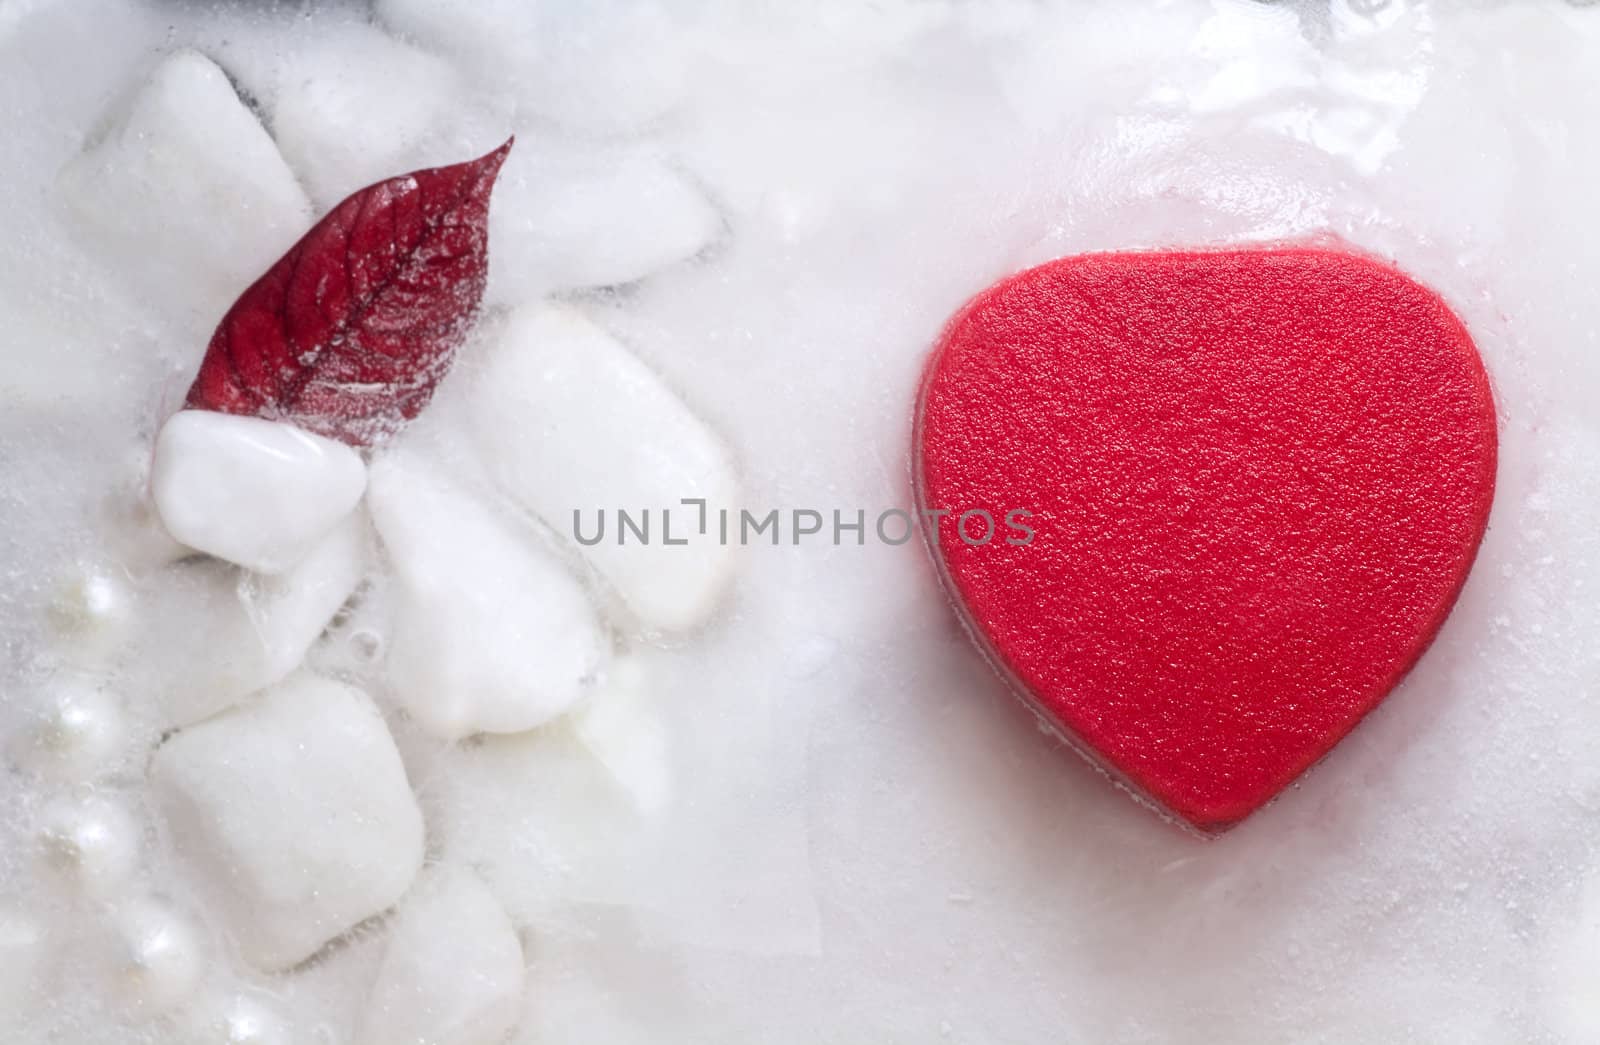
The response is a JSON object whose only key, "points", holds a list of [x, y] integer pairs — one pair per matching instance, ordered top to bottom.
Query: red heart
{"points": [[1258, 479]]}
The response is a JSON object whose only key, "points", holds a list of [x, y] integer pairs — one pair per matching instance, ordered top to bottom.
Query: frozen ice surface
{"points": [[183, 159], [578, 430], [260, 494], [491, 631], [294, 814], [851, 832], [452, 973]]}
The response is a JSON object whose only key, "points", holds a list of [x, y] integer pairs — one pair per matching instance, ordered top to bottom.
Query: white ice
{"points": [[356, 106], [186, 139], [567, 217], [577, 429], [259, 494], [491, 631], [239, 633], [295, 816], [452, 972]]}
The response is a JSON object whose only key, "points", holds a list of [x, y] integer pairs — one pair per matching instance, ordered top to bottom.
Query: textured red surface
{"points": [[350, 331], [1259, 479]]}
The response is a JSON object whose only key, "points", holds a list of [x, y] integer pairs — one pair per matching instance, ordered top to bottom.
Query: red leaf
{"points": [[350, 331]]}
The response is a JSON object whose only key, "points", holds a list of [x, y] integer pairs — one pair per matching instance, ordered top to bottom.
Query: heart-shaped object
{"points": [[1257, 480]]}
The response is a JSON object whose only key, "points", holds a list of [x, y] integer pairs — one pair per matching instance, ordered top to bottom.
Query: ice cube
{"points": [[358, 106], [184, 162], [567, 217], [576, 428], [260, 494], [288, 612], [491, 632], [212, 634], [196, 653], [535, 814], [293, 815], [453, 971]]}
